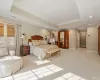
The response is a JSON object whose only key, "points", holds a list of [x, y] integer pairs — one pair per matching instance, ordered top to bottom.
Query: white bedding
{"points": [[40, 51]]}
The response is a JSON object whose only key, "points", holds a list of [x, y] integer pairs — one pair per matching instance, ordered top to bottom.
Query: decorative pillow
{"points": [[40, 42], [45, 42], [30, 43], [34, 43], [37, 43], [3, 52]]}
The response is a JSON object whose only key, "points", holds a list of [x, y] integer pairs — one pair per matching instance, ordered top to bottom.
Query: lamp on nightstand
{"points": [[23, 37], [21, 48]]}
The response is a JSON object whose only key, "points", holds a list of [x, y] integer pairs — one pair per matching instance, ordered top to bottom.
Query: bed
{"points": [[40, 48]]}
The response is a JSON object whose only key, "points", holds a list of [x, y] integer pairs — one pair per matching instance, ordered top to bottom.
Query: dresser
{"points": [[25, 50]]}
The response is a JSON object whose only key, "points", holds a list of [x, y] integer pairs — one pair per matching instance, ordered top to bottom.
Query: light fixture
{"points": [[90, 17], [89, 24], [23, 37]]}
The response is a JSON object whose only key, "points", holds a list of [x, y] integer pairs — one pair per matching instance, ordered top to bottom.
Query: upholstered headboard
{"points": [[35, 37]]}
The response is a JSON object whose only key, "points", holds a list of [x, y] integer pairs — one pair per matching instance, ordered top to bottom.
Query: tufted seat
{"points": [[9, 64]]}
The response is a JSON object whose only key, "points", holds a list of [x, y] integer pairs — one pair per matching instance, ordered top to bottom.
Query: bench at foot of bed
{"points": [[50, 52]]}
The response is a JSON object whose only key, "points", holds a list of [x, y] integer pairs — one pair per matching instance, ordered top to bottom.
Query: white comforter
{"points": [[40, 51]]}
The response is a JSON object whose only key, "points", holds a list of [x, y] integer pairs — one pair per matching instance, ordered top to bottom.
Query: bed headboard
{"points": [[35, 37]]}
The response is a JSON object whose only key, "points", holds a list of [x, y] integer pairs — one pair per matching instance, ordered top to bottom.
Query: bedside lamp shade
{"points": [[23, 37]]}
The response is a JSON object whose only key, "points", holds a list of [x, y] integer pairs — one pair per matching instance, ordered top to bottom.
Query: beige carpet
{"points": [[71, 65]]}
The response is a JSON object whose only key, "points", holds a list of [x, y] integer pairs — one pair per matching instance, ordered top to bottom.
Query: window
{"points": [[1, 29], [10, 30], [1, 34], [10, 35], [7, 36]]}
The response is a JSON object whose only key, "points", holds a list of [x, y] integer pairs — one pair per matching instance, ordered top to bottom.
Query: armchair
{"points": [[9, 64]]}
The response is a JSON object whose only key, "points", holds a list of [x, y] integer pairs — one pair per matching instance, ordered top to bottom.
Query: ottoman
{"points": [[9, 65]]}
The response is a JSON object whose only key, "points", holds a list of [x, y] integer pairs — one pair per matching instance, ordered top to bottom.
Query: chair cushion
{"points": [[3, 52], [9, 59], [9, 65]]}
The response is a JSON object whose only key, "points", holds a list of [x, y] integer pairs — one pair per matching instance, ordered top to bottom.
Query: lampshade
{"points": [[22, 36]]}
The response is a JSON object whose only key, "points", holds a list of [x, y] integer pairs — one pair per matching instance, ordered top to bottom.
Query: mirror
{"points": [[62, 39]]}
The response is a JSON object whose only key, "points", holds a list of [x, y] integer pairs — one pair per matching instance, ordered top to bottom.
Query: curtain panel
{"points": [[10, 37], [18, 39]]}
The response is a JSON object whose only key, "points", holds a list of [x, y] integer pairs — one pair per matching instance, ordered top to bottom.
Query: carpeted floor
{"points": [[71, 65]]}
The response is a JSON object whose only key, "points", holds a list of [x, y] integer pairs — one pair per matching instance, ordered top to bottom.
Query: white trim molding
{"points": [[92, 51]]}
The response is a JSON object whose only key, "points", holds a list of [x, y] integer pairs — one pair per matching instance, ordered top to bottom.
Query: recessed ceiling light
{"points": [[90, 16], [89, 24]]}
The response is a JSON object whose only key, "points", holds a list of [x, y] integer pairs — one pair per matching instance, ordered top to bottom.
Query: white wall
{"points": [[30, 30], [72, 39], [92, 39]]}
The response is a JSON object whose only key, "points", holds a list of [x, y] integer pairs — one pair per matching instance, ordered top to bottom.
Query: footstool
{"points": [[9, 65]]}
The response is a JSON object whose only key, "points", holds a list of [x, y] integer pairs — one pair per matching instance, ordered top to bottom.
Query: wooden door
{"points": [[59, 39], [66, 39], [99, 40]]}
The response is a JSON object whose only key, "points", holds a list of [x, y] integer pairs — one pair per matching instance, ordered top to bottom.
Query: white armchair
{"points": [[9, 64]]}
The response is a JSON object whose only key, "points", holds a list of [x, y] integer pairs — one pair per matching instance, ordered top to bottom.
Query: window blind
{"points": [[1, 29], [10, 30]]}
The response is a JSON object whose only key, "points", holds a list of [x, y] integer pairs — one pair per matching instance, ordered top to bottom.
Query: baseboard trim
{"points": [[72, 48], [92, 51]]}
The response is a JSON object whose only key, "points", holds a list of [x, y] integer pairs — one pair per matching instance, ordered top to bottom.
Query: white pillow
{"points": [[33, 42], [42, 42], [45, 42], [30, 43], [37, 43], [3, 52]]}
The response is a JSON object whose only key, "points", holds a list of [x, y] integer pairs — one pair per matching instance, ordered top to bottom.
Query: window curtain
{"points": [[1, 29], [10, 30], [1, 34], [10, 37], [18, 39]]}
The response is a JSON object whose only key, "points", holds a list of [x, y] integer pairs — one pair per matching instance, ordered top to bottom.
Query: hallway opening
{"points": [[81, 38]]}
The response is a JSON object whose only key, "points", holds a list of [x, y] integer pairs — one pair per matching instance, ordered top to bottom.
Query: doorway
{"points": [[82, 38]]}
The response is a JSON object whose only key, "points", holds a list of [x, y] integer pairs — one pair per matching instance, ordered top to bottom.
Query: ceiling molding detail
{"points": [[52, 14], [33, 19], [65, 23]]}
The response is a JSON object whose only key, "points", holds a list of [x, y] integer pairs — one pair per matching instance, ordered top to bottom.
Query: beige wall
{"points": [[30, 30], [83, 38], [72, 39], [77, 39], [92, 39]]}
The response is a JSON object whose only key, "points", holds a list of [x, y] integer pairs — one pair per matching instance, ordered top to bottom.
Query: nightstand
{"points": [[25, 50]]}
